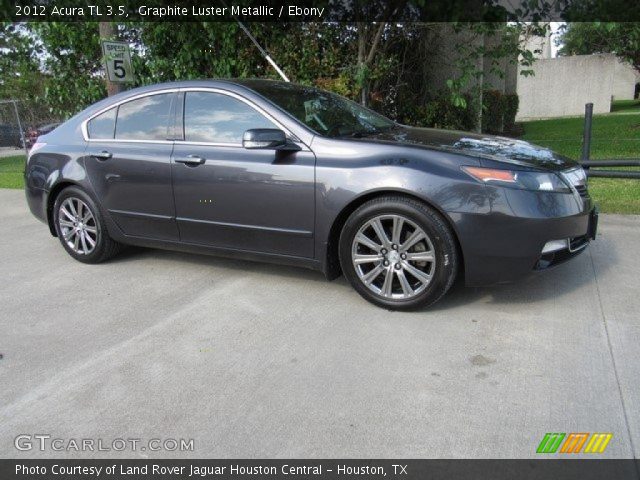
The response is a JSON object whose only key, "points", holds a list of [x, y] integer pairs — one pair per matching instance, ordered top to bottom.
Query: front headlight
{"points": [[536, 181]]}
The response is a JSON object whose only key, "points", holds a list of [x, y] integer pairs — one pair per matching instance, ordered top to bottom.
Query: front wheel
{"points": [[398, 253]]}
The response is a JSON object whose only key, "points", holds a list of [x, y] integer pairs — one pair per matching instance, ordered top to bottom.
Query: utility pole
{"points": [[107, 32]]}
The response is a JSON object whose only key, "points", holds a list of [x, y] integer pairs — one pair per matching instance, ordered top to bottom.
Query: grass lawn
{"points": [[626, 105], [614, 135], [11, 169]]}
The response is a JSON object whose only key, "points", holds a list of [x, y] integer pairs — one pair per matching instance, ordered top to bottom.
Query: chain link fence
{"points": [[20, 127]]}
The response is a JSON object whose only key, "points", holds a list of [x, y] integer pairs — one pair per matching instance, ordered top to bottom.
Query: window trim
{"points": [[228, 93], [179, 123], [85, 130]]}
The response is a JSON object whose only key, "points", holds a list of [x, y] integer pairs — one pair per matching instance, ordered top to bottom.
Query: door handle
{"points": [[103, 155], [191, 160]]}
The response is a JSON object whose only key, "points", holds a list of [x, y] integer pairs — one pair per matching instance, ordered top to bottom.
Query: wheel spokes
{"points": [[66, 213], [66, 224], [77, 226], [379, 229], [396, 232], [414, 238], [364, 240], [91, 241], [393, 257], [420, 257], [359, 259], [373, 274], [418, 274], [388, 282], [404, 283]]}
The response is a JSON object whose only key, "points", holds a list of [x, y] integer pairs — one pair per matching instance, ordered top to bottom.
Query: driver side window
{"points": [[217, 118]]}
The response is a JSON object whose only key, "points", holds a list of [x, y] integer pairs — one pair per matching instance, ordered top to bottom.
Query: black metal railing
{"points": [[617, 162]]}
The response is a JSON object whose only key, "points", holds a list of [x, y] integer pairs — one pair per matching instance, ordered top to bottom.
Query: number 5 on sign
{"points": [[117, 60]]}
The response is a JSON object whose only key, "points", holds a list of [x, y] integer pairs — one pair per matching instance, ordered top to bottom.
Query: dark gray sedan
{"points": [[273, 171]]}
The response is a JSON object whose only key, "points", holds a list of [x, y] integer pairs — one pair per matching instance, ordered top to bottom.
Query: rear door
{"points": [[129, 164], [231, 197]]}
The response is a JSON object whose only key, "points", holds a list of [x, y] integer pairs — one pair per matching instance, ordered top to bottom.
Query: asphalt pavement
{"points": [[256, 360]]}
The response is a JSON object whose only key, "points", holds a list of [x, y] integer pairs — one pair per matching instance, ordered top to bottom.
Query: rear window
{"points": [[146, 118], [103, 126]]}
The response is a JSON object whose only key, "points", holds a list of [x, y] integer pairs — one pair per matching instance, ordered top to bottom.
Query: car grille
{"points": [[578, 179]]}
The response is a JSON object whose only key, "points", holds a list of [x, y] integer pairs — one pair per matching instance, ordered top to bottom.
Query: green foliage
{"points": [[622, 39], [493, 43], [66, 61], [73, 63], [20, 74], [512, 103], [494, 107], [442, 113]]}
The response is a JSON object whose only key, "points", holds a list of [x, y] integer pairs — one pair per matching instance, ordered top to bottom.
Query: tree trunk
{"points": [[107, 32], [362, 37]]}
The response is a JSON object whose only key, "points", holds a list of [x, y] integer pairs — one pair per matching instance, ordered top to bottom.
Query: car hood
{"points": [[502, 149]]}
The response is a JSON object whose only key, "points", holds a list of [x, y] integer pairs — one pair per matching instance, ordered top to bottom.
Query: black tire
{"points": [[105, 247], [444, 265]]}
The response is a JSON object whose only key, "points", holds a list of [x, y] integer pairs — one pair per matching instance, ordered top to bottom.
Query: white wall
{"points": [[624, 81], [561, 86]]}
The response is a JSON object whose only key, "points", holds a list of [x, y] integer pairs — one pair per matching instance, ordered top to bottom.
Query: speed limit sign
{"points": [[117, 60]]}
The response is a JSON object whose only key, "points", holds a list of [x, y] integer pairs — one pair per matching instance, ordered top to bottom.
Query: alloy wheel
{"points": [[77, 226], [393, 257]]}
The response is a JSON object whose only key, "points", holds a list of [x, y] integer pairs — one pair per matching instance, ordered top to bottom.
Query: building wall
{"points": [[624, 81], [562, 86]]}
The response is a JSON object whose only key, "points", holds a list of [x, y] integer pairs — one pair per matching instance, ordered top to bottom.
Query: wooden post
{"points": [[107, 32]]}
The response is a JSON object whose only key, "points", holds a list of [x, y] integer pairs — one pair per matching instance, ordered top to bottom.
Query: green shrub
{"points": [[494, 106], [511, 109], [441, 113]]}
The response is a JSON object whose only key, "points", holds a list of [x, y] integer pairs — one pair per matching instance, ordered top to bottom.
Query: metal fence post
{"points": [[22, 132], [586, 136]]}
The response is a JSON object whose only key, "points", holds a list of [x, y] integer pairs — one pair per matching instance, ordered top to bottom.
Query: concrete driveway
{"points": [[254, 360]]}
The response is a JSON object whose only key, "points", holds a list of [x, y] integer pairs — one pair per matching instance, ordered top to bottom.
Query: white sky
{"points": [[555, 26]]}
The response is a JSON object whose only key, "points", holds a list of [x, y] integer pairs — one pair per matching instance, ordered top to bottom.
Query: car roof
{"points": [[245, 83], [237, 85]]}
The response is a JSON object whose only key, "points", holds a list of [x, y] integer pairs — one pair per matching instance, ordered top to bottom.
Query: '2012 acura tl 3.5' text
{"points": [[265, 170]]}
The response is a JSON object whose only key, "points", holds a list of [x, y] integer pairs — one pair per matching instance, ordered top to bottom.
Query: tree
{"points": [[621, 39], [72, 58], [20, 75]]}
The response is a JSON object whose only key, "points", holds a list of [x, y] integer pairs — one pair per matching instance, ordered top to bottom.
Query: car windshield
{"points": [[326, 113]]}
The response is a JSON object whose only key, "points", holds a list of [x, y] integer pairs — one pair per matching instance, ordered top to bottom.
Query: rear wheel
{"points": [[80, 227], [398, 253]]}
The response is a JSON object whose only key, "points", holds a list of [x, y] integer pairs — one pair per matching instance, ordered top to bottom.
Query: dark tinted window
{"points": [[146, 118], [217, 118], [102, 126]]}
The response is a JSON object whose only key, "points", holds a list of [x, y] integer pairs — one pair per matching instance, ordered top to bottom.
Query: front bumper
{"points": [[507, 244], [571, 247]]}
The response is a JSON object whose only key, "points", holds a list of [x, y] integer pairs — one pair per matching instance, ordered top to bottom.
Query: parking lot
{"points": [[256, 360]]}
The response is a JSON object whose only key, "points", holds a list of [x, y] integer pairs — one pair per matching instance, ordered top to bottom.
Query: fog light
{"points": [[555, 245]]}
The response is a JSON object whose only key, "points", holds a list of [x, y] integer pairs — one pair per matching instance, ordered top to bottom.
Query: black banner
{"points": [[321, 10], [551, 469]]}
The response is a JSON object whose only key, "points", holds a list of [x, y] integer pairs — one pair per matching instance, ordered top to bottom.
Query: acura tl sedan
{"points": [[272, 171]]}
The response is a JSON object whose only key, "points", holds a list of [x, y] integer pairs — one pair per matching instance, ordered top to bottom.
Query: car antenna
{"points": [[264, 53]]}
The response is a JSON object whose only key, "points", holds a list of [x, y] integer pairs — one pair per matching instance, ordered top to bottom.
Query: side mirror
{"points": [[265, 139]]}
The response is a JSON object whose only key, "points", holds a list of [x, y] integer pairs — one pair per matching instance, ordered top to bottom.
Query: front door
{"points": [[128, 159], [230, 197]]}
